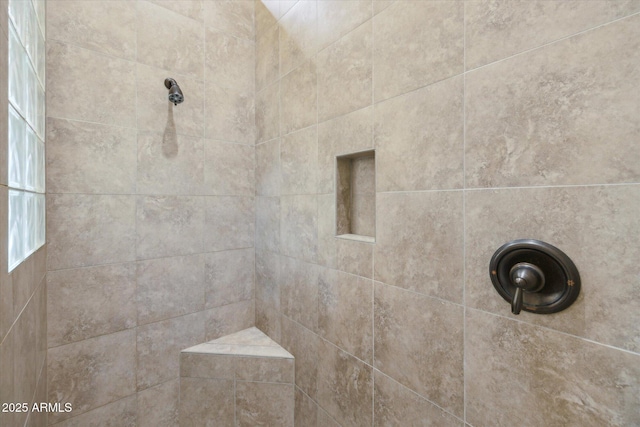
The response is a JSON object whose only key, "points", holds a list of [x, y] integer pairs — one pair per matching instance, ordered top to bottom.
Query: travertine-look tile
{"points": [[190, 8], [267, 13], [234, 17], [337, 18], [104, 27], [498, 29], [298, 35], [168, 40], [416, 44], [229, 61], [267, 67], [345, 73], [93, 78], [298, 98], [156, 113], [268, 113], [230, 114], [564, 114], [346, 134], [420, 139], [90, 158], [299, 159], [170, 164], [268, 168], [228, 169], [561, 216], [229, 223], [268, 223], [169, 226], [298, 227], [86, 230], [419, 242], [229, 277], [268, 278], [6, 279], [169, 287], [299, 291], [88, 302], [345, 312], [226, 319], [268, 319], [414, 334], [159, 345], [304, 345], [206, 365], [269, 369], [92, 372], [25, 373], [7, 378], [549, 378], [345, 386], [205, 401], [264, 404], [395, 405], [159, 406], [305, 411], [121, 413]]}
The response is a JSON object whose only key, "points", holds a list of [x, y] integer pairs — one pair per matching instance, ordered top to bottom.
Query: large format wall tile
{"points": [[190, 8], [231, 16], [338, 18], [104, 27], [498, 29], [298, 35], [168, 40], [416, 44], [229, 61], [267, 66], [345, 74], [78, 78], [4, 95], [298, 98], [156, 113], [268, 113], [230, 114], [564, 114], [420, 139], [90, 158], [298, 162], [170, 164], [268, 168], [228, 169], [181, 220], [229, 223], [268, 223], [298, 227], [597, 227], [88, 230], [419, 242], [229, 277], [268, 278], [169, 287], [299, 291], [88, 302], [230, 318], [419, 343], [159, 345], [304, 345], [25, 371], [91, 373], [548, 378], [345, 386], [205, 401], [260, 403], [396, 405], [159, 406], [305, 411], [121, 413]]}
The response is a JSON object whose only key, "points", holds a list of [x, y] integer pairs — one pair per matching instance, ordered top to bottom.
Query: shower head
{"points": [[175, 94]]}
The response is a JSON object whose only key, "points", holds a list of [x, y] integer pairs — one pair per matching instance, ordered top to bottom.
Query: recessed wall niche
{"points": [[356, 196]]}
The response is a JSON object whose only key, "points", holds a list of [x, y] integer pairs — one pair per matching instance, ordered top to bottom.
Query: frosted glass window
{"points": [[26, 157]]}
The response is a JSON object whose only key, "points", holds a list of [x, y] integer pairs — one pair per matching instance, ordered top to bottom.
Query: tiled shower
{"points": [[169, 226]]}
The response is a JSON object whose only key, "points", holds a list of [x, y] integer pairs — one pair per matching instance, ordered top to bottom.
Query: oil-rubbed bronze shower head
{"points": [[175, 94]]}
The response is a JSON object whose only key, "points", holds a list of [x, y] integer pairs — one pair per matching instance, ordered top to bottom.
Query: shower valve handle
{"points": [[525, 277]]}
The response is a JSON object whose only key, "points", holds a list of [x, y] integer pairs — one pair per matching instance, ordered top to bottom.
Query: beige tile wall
{"points": [[491, 121], [151, 206], [23, 294]]}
